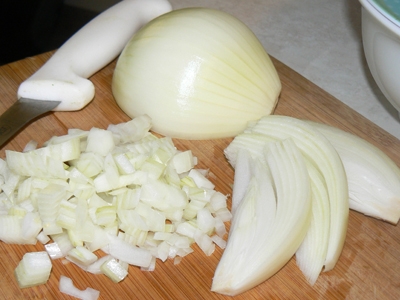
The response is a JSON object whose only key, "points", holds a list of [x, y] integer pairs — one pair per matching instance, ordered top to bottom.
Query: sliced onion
{"points": [[319, 151], [270, 222], [311, 255]]}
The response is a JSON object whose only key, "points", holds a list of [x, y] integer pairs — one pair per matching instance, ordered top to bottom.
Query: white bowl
{"points": [[381, 41]]}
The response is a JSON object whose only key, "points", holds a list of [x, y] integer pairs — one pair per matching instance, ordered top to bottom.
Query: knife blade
{"points": [[63, 79], [20, 113]]}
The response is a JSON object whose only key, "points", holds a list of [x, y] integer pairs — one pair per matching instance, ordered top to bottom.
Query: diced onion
{"points": [[122, 190], [34, 269], [114, 270], [66, 286]]}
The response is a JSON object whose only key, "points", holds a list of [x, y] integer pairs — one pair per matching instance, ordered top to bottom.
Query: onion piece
{"points": [[199, 67], [131, 131], [100, 141], [32, 145], [46, 161], [183, 161], [33, 163], [243, 173], [373, 178], [48, 205], [270, 221], [31, 226], [11, 230], [44, 239], [63, 242], [53, 250], [129, 253], [311, 255], [81, 256], [95, 268], [34, 269], [114, 270], [66, 286]]}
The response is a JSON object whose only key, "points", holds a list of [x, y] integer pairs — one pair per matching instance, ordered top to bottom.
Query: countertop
{"points": [[321, 40]]}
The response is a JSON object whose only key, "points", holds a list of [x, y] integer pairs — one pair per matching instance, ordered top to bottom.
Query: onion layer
{"points": [[373, 178], [270, 222]]}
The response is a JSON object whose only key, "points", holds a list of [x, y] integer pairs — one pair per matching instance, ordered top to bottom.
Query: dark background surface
{"points": [[31, 27]]}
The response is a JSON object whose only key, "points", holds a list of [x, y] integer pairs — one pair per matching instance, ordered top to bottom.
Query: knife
{"points": [[62, 83]]}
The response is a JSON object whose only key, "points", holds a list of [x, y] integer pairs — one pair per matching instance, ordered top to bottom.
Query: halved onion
{"points": [[199, 73]]}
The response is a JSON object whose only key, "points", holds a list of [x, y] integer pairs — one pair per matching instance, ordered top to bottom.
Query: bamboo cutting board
{"points": [[369, 267]]}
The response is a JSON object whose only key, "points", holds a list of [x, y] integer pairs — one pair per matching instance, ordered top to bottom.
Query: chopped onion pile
{"points": [[200, 67], [122, 190]]}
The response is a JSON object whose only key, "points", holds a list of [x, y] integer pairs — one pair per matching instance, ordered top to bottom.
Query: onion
{"points": [[198, 73], [319, 152], [333, 157], [373, 178], [122, 190], [270, 222], [327, 227], [81, 256], [310, 257], [34, 269], [114, 270], [67, 287]]}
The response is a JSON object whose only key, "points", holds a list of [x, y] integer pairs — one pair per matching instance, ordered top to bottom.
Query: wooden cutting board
{"points": [[369, 267]]}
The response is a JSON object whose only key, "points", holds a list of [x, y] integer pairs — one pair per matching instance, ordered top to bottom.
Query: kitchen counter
{"points": [[321, 40]]}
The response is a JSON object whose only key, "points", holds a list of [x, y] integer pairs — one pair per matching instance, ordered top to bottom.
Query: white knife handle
{"points": [[64, 76]]}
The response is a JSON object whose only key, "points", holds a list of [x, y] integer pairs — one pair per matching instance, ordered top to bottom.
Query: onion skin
{"points": [[199, 73]]}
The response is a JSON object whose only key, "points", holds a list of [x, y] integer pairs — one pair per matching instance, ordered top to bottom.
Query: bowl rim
{"points": [[388, 9], [381, 17]]}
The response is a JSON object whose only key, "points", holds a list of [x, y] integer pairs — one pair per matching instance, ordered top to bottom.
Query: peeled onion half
{"points": [[199, 73]]}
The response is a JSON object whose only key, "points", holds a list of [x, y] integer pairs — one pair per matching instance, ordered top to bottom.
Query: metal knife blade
{"points": [[20, 113]]}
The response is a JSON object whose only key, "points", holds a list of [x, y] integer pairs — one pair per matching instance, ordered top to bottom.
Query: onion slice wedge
{"points": [[316, 148], [373, 178], [270, 222]]}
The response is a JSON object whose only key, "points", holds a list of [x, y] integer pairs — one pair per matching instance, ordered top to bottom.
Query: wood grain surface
{"points": [[369, 267]]}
